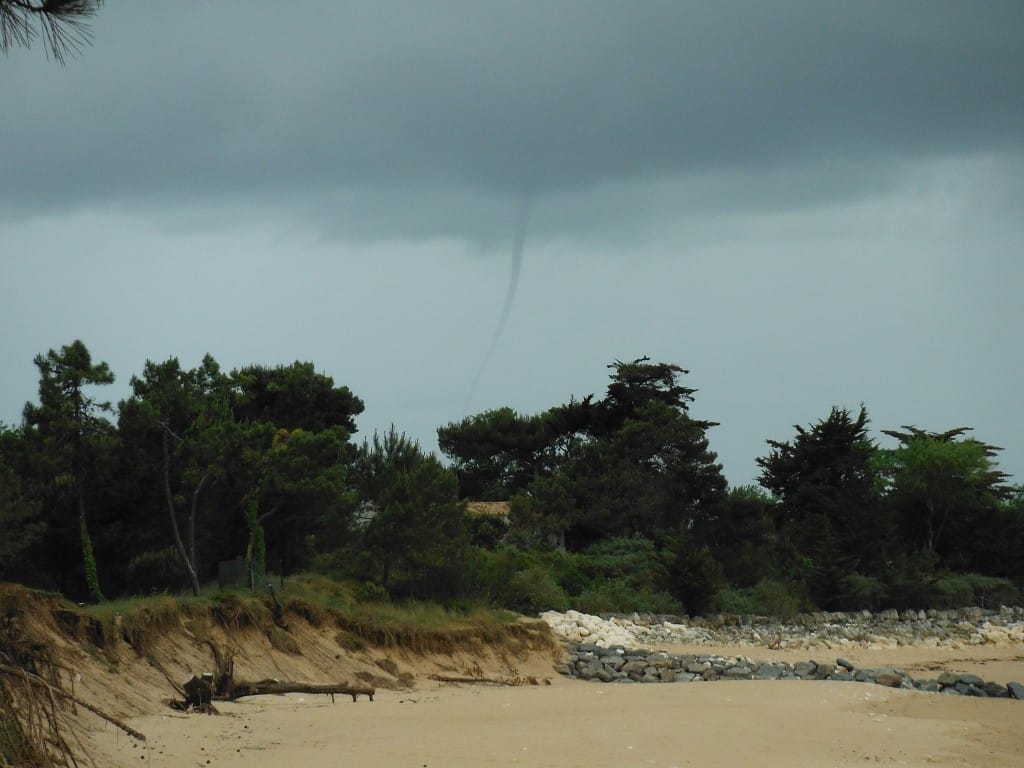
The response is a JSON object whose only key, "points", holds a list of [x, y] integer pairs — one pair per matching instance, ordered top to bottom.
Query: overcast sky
{"points": [[806, 204]]}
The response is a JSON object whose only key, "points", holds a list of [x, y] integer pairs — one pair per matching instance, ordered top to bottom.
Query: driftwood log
{"points": [[220, 685], [265, 687], [200, 692]]}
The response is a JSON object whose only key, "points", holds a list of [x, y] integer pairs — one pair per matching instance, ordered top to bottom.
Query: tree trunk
{"points": [[192, 520], [941, 527], [189, 567], [92, 577], [201, 692]]}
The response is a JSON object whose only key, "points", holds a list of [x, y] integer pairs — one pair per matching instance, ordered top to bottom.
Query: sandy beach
{"points": [[575, 723]]}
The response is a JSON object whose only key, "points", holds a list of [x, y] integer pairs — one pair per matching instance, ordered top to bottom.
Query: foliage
{"points": [[61, 23], [293, 397], [175, 428], [67, 433], [201, 445], [496, 453], [634, 462], [300, 479], [944, 490], [617, 504], [20, 513], [830, 520], [486, 531], [741, 534], [1002, 534], [414, 542], [156, 571], [694, 574], [620, 575], [534, 590], [960, 590], [858, 592], [616, 596], [766, 598]]}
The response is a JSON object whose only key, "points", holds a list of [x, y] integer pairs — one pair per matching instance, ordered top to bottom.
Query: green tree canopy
{"points": [[636, 384], [293, 397], [173, 428], [66, 429], [497, 452], [255, 461], [634, 462], [299, 486], [945, 487], [829, 515], [21, 522], [740, 531], [415, 540]]}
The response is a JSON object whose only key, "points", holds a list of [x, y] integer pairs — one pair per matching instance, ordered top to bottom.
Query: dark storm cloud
{"points": [[426, 118]]}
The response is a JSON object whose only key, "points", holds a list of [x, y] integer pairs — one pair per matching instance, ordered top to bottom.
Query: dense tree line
{"points": [[616, 502], [836, 522]]}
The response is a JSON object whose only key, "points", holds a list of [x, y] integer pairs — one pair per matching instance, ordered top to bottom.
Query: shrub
{"points": [[486, 531], [633, 560], [156, 571], [695, 576], [535, 590], [958, 591], [371, 592], [858, 592], [617, 596], [768, 598], [780, 598], [738, 600]]}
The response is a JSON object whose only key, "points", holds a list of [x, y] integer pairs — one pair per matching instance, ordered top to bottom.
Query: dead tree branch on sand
{"points": [[220, 685], [277, 687], [200, 692]]}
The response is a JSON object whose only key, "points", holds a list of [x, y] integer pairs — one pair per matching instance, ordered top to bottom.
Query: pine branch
{"points": [[61, 24]]}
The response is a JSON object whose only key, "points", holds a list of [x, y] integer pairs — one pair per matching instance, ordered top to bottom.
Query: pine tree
{"points": [[65, 426]]}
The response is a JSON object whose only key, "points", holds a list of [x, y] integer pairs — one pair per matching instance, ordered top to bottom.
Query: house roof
{"points": [[488, 508]]}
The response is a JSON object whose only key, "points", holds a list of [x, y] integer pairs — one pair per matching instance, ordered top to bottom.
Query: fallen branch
{"points": [[220, 685], [53, 690], [200, 694], [109, 718]]}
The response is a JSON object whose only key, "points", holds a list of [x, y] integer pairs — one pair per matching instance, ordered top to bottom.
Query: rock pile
{"points": [[824, 631], [619, 649], [617, 664]]}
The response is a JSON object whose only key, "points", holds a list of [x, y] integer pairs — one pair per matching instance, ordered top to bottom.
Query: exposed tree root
{"points": [[220, 685]]}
